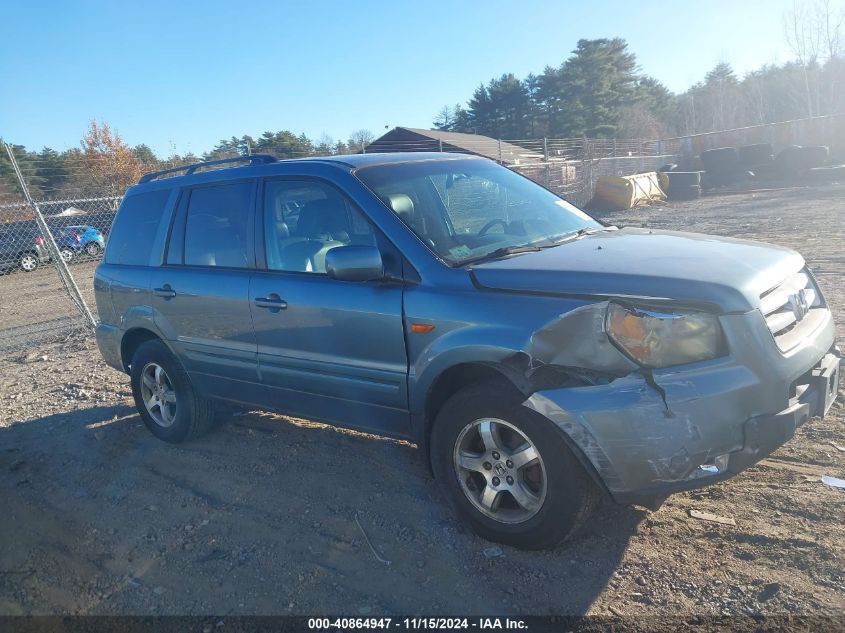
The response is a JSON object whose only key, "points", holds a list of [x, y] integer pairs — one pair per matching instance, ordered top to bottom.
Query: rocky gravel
{"points": [[275, 515]]}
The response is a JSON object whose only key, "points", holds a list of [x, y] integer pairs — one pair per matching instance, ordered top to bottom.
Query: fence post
{"points": [[499, 141], [440, 144], [546, 160], [64, 274]]}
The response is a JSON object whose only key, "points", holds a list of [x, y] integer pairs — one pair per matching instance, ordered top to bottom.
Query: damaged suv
{"points": [[537, 357]]}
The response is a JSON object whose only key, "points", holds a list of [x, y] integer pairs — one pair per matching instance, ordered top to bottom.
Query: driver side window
{"points": [[472, 201], [304, 220]]}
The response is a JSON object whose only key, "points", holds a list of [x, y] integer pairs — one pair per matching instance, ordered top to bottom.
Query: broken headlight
{"points": [[663, 339]]}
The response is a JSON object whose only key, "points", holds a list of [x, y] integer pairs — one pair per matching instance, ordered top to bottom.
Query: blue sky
{"points": [[185, 74]]}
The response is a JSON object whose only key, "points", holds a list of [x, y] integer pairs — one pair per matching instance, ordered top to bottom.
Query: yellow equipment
{"points": [[626, 192]]}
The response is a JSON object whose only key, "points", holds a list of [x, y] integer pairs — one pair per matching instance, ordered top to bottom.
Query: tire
{"points": [[750, 155], [814, 156], [723, 159], [789, 161], [826, 174], [683, 179], [685, 193], [93, 249], [67, 255], [28, 262], [188, 415], [559, 504]]}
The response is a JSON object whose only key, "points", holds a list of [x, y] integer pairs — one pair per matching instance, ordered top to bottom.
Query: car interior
{"points": [[302, 224]]}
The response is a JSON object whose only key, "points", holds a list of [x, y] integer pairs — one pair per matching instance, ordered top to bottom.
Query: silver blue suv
{"points": [[538, 358]]}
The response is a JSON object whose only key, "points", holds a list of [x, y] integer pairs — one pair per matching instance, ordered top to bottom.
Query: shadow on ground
{"points": [[262, 516]]}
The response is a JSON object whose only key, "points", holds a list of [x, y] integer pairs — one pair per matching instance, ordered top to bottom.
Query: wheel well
{"points": [[131, 341], [453, 380]]}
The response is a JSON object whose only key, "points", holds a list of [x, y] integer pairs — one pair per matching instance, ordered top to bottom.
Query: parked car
{"points": [[90, 238], [68, 241], [21, 247], [536, 356]]}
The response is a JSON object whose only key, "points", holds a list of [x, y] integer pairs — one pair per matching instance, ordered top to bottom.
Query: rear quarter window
{"points": [[134, 229]]}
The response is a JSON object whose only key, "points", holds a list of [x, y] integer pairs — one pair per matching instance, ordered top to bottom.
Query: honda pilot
{"points": [[537, 357]]}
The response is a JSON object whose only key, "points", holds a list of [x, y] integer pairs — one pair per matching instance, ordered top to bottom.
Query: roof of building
{"points": [[492, 148]]}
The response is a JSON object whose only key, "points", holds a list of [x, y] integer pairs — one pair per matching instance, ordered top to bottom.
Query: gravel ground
{"points": [[272, 515]]}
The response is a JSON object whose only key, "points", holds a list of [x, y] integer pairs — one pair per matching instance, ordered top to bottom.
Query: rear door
{"points": [[201, 294], [330, 350]]}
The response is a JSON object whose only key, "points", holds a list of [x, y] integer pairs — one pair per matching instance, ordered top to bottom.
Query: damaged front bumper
{"points": [[697, 425]]}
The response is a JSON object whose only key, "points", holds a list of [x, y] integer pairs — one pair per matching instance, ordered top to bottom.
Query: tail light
{"points": [[76, 236], [38, 240]]}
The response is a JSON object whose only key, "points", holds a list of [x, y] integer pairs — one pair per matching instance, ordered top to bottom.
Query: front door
{"points": [[331, 350]]}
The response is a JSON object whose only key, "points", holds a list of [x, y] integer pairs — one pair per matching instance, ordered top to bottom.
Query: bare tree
{"points": [[815, 35]]}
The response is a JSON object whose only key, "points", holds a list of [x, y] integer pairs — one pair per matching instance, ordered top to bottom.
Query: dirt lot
{"points": [[268, 515]]}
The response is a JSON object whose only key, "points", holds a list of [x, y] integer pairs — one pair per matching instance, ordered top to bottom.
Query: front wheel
{"points": [[93, 249], [67, 255], [167, 401], [507, 470]]}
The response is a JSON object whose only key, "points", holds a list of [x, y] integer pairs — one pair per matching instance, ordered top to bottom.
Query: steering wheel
{"points": [[490, 225]]}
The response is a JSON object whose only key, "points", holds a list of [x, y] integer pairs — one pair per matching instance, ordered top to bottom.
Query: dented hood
{"points": [[728, 274]]}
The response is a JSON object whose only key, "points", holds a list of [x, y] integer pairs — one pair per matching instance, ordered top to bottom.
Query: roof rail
{"points": [[252, 159]]}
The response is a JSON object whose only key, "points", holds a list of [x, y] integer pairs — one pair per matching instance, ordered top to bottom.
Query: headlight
{"points": [[663, 339]]}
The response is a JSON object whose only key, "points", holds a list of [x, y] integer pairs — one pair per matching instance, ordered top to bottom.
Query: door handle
{"points": [[165, 291], [272, 301]]}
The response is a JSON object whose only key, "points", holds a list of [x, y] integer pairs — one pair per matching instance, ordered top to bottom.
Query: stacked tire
{"points": [[759, 159], [796, 160], [722, 166], [835, 173], [684, 185]]}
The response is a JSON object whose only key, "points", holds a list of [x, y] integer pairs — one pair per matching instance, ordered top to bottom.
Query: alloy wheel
{"points": [[29, 262], [158, 394], [500, 470]]}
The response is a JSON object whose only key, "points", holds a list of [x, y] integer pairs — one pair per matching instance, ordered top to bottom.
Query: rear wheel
{"points": [[93, 249], [67, 255], [29, 262], [167, 401], [507, 471]]}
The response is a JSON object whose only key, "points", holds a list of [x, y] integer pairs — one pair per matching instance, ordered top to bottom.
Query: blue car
{"points": [[91, 239]]}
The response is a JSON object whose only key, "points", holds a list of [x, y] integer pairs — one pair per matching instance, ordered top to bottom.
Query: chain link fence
{"points": [[43, 298]]}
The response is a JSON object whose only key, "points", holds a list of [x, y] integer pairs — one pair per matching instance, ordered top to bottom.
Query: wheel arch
{"points": [[133, 339], [463, 375], [448, 383]]}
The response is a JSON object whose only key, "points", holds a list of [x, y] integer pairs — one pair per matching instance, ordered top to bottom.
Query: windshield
{"points": [[466, 210]]}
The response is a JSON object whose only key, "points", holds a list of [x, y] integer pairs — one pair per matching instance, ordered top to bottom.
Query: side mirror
{"points": [[354, 263]]}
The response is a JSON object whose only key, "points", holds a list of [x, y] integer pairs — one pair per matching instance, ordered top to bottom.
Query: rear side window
{"points": [[216, 227], [134, 229]]}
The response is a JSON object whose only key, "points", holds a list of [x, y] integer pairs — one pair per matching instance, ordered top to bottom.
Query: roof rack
{"points": [[252, 159]]}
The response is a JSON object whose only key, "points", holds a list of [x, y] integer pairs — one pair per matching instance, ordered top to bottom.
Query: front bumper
{"points": [[700, 424]]}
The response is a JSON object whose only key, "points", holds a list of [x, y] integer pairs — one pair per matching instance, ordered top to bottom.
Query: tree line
{"points": [[599, 91], [105, 165]]}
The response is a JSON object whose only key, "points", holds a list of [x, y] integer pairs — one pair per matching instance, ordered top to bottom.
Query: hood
{"points": [[725, 273]]}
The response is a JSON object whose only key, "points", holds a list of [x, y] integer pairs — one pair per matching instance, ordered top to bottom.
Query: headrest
{"points": [[402, 206]]}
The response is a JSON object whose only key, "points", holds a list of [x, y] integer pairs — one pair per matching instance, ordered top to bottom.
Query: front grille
{"points": [[793, 309]]}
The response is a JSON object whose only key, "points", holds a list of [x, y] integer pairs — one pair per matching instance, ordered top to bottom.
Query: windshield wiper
{"points": [[581, 233], [504, 251]]}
